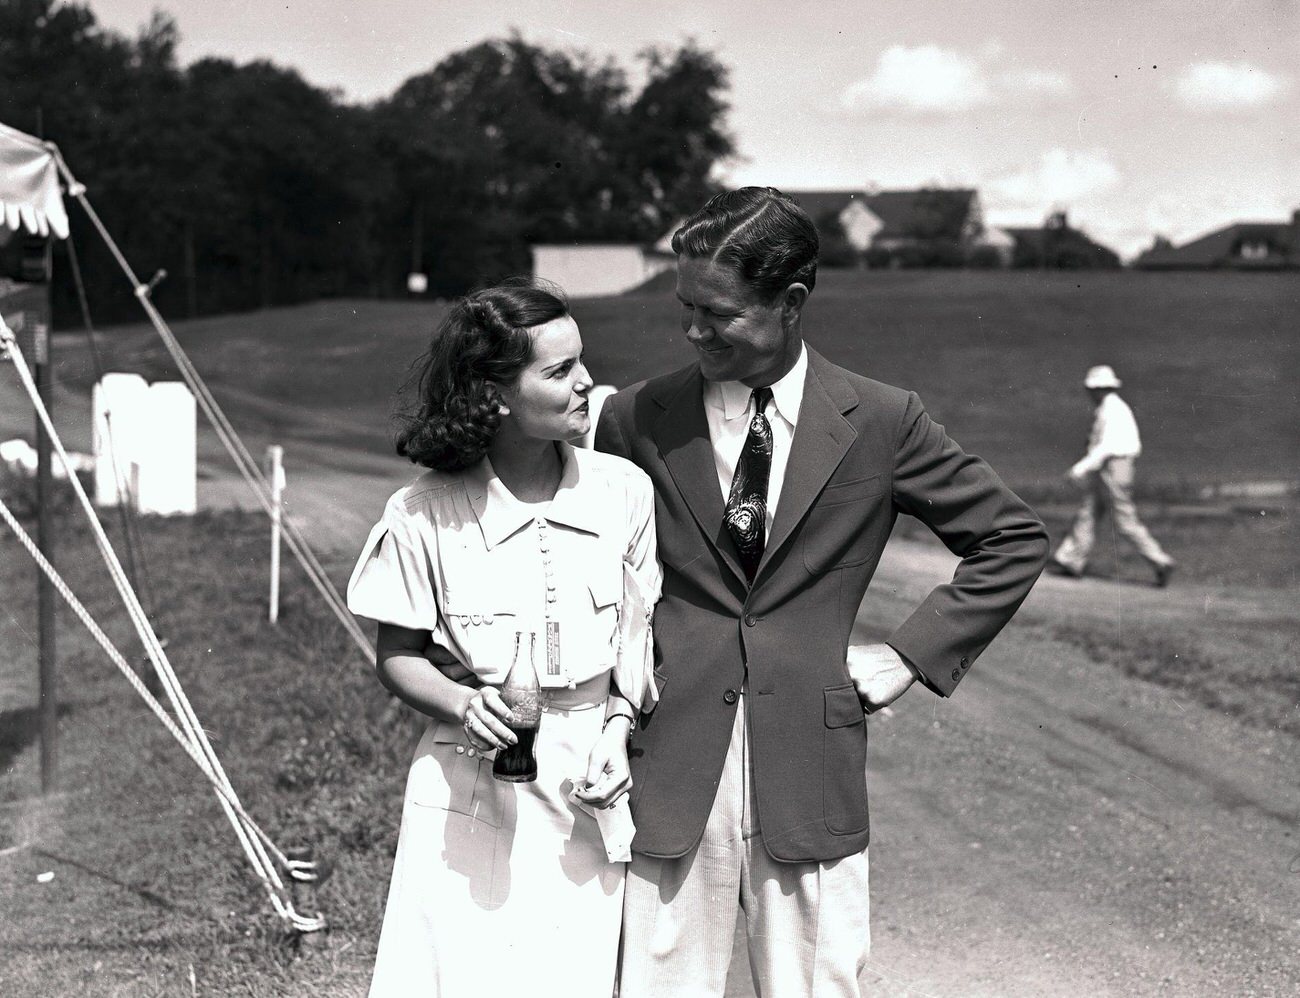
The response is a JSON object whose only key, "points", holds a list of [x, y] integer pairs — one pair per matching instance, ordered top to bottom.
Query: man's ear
{"points": [[792, 302]]}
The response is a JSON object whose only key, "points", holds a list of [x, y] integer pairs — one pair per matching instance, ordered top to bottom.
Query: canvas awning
{"points": [[29, 186]]}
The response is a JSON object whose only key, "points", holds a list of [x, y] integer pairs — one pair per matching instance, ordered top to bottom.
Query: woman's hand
{"points": [[485, 720], [608, 775]]}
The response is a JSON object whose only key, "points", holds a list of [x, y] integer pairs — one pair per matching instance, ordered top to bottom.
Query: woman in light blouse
{"points": [[502, 888]]}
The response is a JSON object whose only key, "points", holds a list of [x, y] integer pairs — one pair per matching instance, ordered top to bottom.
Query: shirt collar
{"points": [[787, 394], [500, 514]]}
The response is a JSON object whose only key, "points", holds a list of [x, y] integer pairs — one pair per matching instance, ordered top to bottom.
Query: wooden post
{"points": [[275, 462], [49, 684], [305, 900]]}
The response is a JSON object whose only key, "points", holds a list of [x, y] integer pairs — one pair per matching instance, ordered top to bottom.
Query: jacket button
{"points": [[750, 620], [965, 663], [956, 675], [729, 696], [460, 749]]}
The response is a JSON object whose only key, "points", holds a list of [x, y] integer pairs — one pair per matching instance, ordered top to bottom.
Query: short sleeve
{"points": [[642, 552], [642, 581], [392, 582]]}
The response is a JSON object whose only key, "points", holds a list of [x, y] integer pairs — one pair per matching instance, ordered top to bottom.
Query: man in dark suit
{"points": [[778, 477]]}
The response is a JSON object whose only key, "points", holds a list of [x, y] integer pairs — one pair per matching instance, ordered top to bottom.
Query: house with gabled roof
{"points": [[913, 217], [859, 223], [918, 227], [1057, 245], [1241, 246]]}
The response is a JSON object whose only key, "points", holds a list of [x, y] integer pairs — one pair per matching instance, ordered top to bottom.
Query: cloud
{"points": [[927, 80], [1035, 83], [1228, 86], [1059, 177]]}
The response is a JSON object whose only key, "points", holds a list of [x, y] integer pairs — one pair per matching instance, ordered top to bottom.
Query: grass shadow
{"points": [[19, 728], [144, 893]]}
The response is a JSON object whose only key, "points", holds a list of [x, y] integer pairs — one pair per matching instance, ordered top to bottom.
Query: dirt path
{"points": [[1060, 829]]}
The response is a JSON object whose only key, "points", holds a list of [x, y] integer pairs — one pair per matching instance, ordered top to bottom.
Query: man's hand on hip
{"points": [[879, 674]]}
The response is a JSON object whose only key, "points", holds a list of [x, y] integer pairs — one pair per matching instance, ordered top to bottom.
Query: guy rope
{"points": [[244, 461], [261, 851]]}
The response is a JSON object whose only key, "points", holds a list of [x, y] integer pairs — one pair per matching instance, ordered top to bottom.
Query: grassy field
{"points": [[1210, 362], [150, 890]]}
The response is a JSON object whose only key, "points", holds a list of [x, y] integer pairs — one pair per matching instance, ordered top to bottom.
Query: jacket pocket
{"points": [[859, 488], [844, 524], [844, 761], [450, 774]]}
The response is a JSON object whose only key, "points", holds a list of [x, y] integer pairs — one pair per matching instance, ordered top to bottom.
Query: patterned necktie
{"points": [[746, 514]]}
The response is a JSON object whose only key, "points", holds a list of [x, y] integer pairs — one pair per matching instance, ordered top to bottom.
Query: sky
{"points": [[1137, 117]]}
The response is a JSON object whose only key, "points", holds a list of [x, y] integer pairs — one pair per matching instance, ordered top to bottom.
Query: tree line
{"points": [[252, 187]]}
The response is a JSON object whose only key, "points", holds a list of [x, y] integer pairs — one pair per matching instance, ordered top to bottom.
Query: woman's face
{"points": [[549, 399]]}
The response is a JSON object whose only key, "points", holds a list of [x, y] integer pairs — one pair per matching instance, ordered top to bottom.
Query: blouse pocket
{"points": [[606, 585], [483, 622], [450, 774]]}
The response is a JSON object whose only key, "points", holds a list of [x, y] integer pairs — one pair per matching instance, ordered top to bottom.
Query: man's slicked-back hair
{"points": [[764, 234]]}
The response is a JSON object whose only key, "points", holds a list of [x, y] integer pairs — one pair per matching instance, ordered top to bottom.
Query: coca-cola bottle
{"points": [[517, 763]]}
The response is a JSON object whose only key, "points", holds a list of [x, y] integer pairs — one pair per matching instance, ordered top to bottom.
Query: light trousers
{"points": [[1110, 489], [806, 923]]}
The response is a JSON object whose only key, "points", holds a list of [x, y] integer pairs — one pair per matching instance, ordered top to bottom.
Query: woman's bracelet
{"points": [[630, 720]]}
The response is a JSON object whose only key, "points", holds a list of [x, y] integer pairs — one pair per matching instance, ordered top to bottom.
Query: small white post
{"points": [[119, 424], [168, 451], [275, 461], [131, 494]]}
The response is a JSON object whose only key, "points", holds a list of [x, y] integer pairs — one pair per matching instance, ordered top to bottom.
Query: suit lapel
{"points": [[682, 435], [821, 440]]}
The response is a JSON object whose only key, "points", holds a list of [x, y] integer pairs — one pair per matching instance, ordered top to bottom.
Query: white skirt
{"points": [[501, 888]]}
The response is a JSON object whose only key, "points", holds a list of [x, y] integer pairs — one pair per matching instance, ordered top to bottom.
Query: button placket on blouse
{"points": [[548, 574]]}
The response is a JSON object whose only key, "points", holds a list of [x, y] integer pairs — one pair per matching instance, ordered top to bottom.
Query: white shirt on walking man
{"points": [[1106, 473]]}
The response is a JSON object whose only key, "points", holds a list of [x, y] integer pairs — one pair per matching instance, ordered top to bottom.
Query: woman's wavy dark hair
{"points": [[764, 234], [450, 407]]}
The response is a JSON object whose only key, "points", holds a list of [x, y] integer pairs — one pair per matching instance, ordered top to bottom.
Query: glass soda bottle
{"points": [[517, 763]]}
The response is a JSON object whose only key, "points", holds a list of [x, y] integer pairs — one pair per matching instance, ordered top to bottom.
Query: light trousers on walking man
{"points": [[1109, 489]]}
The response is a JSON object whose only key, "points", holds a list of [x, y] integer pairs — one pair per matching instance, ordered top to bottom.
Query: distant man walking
{"points": [[1106, 473]]}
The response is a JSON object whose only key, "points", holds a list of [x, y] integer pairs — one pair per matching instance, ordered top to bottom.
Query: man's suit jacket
{"points": [[862, 452]]}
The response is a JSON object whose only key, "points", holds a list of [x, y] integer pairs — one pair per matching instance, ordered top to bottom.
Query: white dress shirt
{"points": [[727, 408], [1114, 434]]}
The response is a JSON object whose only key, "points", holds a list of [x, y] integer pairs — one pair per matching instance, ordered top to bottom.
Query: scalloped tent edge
{"points": [[29, 185]]}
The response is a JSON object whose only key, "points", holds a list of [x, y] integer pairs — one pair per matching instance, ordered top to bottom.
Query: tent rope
{"points": [[244, 462], [137, 568], [252, 839], [297, 869]]}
